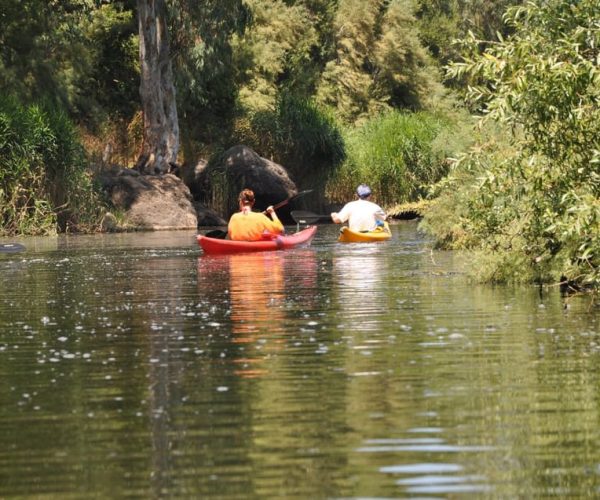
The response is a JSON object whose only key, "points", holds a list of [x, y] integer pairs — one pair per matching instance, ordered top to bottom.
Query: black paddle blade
{"points": [[301, 193], [296, 196], [305, 217], [216, 233], [11, 247]]}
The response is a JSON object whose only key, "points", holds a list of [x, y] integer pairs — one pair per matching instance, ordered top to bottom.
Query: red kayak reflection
{"points": [[256, 287], [263, 288]]}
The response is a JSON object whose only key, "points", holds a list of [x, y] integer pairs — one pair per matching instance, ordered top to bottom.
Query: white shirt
{"points": [[361, 215]]}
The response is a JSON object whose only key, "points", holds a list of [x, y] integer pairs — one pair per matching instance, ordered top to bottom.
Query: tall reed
{"points": [[298, 134], [400, 155], [44, 187]]}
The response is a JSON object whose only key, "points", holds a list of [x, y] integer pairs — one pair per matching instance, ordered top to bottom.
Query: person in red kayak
{"points": [[362, 215], [247, 225]]}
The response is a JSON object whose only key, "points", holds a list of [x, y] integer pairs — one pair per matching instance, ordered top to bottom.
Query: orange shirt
{"points": [[250, 226]]}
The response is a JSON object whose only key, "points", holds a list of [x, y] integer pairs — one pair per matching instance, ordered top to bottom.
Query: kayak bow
{"points": [[379, 234]]}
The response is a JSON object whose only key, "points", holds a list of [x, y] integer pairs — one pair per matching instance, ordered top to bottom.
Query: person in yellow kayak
{"points": [[362, 215], [247, 225]]}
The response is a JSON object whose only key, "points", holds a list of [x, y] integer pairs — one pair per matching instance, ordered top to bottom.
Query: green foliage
{"points": [[321, 15], [443, 22], [355, 24], [26, 43], [274, 52], [74, 53], [380, 63], [258, 64], [203, 65], [404, 75], [106, 77], [297, 134], [398, 154], [43, 185], [537, 205], [448, 215]]}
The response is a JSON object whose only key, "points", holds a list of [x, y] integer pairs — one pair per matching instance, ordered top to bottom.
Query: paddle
{"points": [[285, 202], [305, 217], [220, 234], [11, 247]]}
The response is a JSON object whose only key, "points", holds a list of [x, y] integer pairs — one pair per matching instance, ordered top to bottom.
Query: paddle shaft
{"points": [[292, 198]]}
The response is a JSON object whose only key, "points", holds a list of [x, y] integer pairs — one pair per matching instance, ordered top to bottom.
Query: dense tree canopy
{"points": [[443, 24], [202, 55], [228, 57], [379, 62]]}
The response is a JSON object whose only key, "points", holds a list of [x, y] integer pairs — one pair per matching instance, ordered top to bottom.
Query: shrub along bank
{"points": [[399, 154], [44, 184], [529, 205]]}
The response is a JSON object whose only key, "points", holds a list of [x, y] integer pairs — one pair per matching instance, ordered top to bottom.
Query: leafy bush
{"points": [[43, 184], [533, 211]]}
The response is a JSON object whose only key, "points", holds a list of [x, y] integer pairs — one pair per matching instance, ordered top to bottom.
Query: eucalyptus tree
{"points": [[185, 44], [157, 90]]}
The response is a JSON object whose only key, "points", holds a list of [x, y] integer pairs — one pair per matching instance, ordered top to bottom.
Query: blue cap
{"points": [[363, 191]]}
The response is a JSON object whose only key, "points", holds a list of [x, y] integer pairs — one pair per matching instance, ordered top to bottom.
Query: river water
{"points": [[133, 366]]}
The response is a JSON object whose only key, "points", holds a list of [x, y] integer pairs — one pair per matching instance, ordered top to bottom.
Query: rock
{"points": [[240, 167], [193, 177], [150, 202], [408, 210], [208, 217], [109, 223]]}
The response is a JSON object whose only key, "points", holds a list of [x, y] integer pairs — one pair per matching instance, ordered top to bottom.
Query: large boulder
{"points": [[238, 168], [150, 202], [208, 217]]}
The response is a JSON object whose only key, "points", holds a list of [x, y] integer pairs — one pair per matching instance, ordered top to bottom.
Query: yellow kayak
{"points": [[379, 234]]}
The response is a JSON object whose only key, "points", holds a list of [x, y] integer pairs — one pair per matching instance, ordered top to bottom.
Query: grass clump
{"points": [[400, 155], [44, 185]]}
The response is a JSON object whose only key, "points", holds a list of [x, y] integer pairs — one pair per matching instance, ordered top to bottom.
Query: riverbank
{"points": [[408, 211]]}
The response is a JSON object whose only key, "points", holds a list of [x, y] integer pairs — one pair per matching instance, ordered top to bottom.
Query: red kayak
{"points": [[215, 246]]}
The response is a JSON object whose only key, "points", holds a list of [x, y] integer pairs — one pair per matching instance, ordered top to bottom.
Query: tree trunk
{"points": [[157, 91]]}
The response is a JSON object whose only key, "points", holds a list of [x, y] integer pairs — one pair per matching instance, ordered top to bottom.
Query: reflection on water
{"points": [[259, 297], [132, 365]]}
